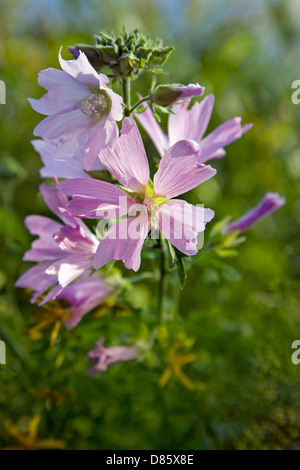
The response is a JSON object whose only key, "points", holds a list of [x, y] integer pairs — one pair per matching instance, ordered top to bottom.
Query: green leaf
{"points": [[181, 270]]}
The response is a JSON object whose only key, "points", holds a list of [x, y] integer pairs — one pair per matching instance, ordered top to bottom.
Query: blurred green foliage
{"points": [[239, 319]]}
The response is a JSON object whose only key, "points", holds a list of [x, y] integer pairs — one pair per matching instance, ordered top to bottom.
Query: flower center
{"points": [[96, 104]]}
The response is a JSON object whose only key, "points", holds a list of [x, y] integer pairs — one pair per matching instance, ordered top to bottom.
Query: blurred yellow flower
{"points": [[175, 363], [30, 441]]}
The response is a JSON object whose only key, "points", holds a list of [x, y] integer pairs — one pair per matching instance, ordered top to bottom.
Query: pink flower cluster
{"points": [[80, 134]]}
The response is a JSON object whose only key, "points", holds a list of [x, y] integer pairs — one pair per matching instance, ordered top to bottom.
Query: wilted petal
{"points": [[104, 357]]}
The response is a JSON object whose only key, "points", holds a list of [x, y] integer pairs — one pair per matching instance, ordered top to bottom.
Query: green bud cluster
{"points": [[127, 54]]}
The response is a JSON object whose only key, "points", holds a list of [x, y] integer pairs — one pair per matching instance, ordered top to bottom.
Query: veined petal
{"points": [[82, 71], [63, 92], [116, 111], [62, 124], [190, 124], [153, 129], [104, 134], [223, 135], [127, 161], [70, 168], [179, 172], [95, 199], [57, 203], [180, 223], [75, 240], [124, 241], [44, 247], [70, 268], [37, 279]]}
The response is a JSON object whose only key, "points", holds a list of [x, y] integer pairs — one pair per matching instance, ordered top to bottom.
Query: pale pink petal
{"points": [[82, 71], [189, 91], [63, 92], [116, 111], [190, 124], [60, 125], [153, 129], [104, 134], [223, 135], [73, 144], [127, 161], [70, 168], [178, 170], [95, 199], [57, 203], [180, 223], [75, 240], [124, 241], [44, 247], [69, 268], [37, 279], [52, 294], [83, 296]]}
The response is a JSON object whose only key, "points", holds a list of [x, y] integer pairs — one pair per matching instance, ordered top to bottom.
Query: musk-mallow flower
{"points": [[82, 111], [192, 123], [144, 202], [270, 203], [63, 252], [103, 357]]}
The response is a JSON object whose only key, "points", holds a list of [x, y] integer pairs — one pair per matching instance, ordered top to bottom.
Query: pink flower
{"points": [[81, 110], [191, 124], [70, 168], [270, 203], [177, 220], [63, 252], [83, 296], [104, 357]]}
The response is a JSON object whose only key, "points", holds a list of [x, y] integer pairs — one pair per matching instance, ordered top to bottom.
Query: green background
{"points": [[240, 319]]}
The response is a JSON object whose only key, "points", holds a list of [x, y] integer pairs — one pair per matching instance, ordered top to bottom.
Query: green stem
{"points": [[126, 95], [137, 104], [162, 281]]}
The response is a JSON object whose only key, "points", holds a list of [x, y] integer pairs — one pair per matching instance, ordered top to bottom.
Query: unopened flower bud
{"points": [[166, 95], [270, 203]]}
